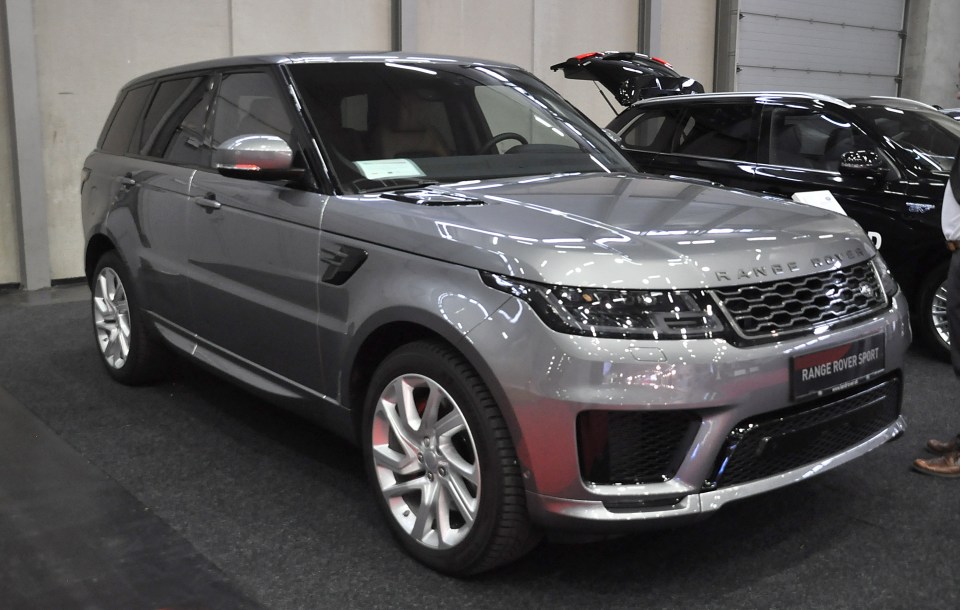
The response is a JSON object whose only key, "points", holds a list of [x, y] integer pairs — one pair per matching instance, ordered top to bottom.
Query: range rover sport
{"points": [[442, 261]]}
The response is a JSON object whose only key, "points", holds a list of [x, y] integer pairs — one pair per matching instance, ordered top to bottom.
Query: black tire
{"points": [[931, 314], [130, 355], [441, 382]]}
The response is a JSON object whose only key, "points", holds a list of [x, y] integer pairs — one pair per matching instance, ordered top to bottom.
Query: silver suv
{"points": [[441, 260]]}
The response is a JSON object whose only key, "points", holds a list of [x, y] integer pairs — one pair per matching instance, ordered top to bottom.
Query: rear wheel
{"points": [[932, 314], [129, 354], [442, 464]]}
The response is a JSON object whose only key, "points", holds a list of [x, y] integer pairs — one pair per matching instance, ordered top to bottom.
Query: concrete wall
{"points": [[281, 26], [533, 34], [687, 38], [932, 52], [9, 248]]}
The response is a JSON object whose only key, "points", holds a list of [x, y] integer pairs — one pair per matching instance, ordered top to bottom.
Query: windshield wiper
{"points": [[395, 184]]}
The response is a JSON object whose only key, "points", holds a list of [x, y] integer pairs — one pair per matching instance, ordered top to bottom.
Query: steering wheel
{"points": [[507, 135]]}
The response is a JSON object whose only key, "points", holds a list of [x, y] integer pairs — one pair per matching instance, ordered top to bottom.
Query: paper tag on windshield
{"points": [[389, 168], [820, 199]]}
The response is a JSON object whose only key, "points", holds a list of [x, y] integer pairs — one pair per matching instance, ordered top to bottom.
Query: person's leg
{"points": [[948, 462]]}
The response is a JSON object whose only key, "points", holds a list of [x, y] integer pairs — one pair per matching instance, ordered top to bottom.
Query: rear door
{"points": [[713, 140], [153, 188]]}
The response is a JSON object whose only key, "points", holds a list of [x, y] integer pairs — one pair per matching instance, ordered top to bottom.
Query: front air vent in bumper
{"points": [[784, 440], [630, 447]]}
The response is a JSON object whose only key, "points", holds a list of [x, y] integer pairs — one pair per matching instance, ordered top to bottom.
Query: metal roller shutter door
{"points": [[838, 47]]}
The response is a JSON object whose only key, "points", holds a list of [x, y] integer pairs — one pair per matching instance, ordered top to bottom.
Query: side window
{"points": [[249, 103], [173, 126], [653, 131], [723, 131], [117, 138], [810, 138]]}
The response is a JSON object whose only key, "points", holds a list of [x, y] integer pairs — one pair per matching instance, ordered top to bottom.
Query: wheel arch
{"points": [[98, 245], [387, 336]]}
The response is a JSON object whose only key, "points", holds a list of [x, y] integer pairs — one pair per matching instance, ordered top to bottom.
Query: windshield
{"points": [[386, 125], [928, 137]]}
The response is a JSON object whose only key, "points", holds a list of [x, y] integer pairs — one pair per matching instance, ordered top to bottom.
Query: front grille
{"points": [[793, 305], [791, 438], [629, 447]]}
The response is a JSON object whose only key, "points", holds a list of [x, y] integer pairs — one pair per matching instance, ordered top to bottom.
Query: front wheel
{"points": [[932, 314], [442, 464]]}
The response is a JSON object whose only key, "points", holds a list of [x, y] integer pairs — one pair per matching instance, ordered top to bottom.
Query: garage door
{"points": [[843, 48]]}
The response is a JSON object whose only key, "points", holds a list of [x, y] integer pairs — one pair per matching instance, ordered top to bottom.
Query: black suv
{"points": [[885, 160]]}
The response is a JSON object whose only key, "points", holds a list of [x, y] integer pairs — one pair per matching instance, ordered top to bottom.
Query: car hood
{"points": [[607, 230]]}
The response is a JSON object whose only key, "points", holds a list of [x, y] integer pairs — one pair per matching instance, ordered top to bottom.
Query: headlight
{"points": [[889, 284], [600, 312]]}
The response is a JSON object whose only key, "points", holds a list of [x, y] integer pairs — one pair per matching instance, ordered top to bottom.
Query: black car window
{"points": [[249, 103], [175, 129], [652, 130], [723, 131], [928, 137], [117, 138], [809, 138]]}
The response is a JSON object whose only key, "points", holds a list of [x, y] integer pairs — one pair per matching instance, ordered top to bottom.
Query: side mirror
{"points": [[255, 157], [864, 163]]}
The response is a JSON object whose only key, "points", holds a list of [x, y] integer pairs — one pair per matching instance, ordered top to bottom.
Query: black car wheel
{"points": [[932, 314], [129, 354], [442, 464]]}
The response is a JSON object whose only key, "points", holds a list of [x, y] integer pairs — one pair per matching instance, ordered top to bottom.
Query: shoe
{"points": [[943, 447], [944, 466]]}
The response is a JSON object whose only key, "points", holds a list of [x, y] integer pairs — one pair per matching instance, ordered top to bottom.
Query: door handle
{"points": [[209, 201]]}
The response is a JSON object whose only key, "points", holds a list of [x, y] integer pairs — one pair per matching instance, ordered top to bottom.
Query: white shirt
{"points": [[950, 216]]}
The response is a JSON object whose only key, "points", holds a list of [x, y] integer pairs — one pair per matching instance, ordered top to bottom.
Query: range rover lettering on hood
{"points": [[818, 262]]}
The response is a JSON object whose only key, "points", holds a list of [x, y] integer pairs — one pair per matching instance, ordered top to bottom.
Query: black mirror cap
{"points": [[256, 157], [862, 163]]}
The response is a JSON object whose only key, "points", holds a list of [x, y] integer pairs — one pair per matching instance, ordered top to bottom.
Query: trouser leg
{"points": [[953, 310]]}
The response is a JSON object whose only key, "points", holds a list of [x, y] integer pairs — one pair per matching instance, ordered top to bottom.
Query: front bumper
{"points": [[548, 379], [603, 515]]}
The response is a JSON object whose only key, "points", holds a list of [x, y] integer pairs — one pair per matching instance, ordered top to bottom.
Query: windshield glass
{"points": [[410, 124], [926, 136]]}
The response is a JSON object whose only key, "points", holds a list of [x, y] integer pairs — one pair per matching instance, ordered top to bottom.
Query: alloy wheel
{"points": [[938, 315], [111, 318], [425, 461]]}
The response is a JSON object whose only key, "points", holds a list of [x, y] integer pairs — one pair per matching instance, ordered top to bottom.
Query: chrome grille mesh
{"points": [[793, 305]]}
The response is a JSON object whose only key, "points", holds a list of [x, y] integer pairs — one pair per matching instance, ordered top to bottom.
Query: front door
{"points": [[254, 248]]}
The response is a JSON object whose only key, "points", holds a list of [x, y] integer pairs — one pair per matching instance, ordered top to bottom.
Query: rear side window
{"points": [[652, 131], [723, 131], [117, 138]]}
